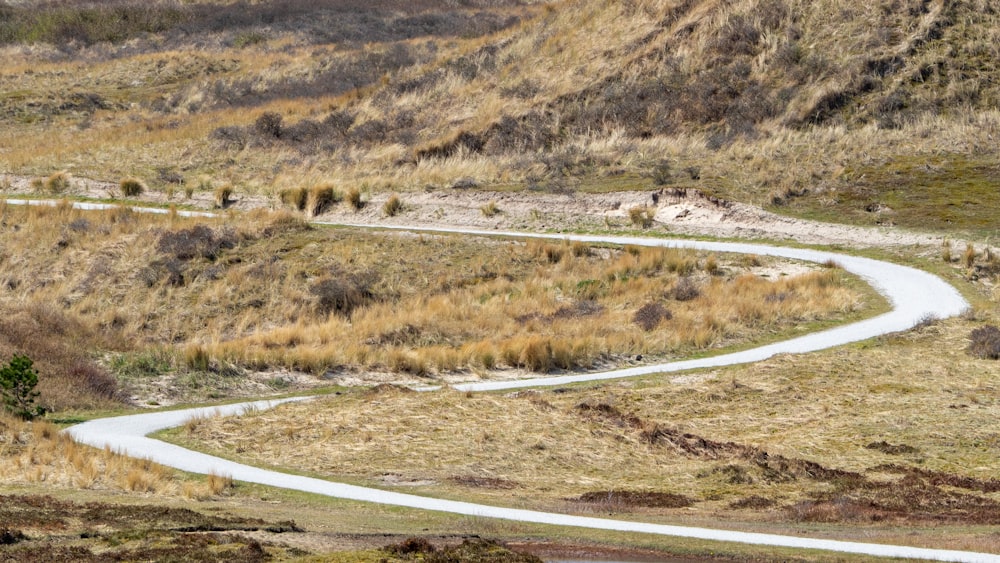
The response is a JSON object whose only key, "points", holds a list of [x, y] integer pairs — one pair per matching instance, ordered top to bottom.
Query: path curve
{"points": [[913, 294]]}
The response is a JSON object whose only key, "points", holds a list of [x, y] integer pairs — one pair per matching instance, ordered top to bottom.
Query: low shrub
{"points": [[57, 183], [132, 187], [223, 196], [392, 206], [641, 216], [685, 290], [650, 315], [985, 342]]}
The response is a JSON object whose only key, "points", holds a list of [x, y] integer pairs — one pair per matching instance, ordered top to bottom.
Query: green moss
{"points": [[942, 193]]}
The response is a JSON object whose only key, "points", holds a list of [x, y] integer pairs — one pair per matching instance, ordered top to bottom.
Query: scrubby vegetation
{"points": [[870, 113], [875, 113], [268, 291], [792, 438]]}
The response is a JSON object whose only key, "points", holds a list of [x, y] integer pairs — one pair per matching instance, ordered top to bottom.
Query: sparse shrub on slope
{"points": [[132, 187], [392, 206], [985, 342], [17, 386]]}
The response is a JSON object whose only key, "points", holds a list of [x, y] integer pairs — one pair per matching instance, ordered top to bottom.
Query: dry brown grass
{"points": [[793, 104], [269, 292], [566, 311], [798, 436], [33, 452], [38, 453]]}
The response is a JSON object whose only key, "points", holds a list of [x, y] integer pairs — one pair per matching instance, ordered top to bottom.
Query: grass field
{"points": [[880, 114]]}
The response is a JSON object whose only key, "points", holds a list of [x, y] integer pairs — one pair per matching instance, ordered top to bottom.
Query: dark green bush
{"points": [[17, 385]]}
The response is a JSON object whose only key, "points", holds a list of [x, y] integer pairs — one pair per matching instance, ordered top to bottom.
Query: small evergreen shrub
{"points": [[17, 385]]}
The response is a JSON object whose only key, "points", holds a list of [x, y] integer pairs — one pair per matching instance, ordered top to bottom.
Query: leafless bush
{"points": [[198, 241], [685, 290], [342, 293], [650, 315], [985, 342]]}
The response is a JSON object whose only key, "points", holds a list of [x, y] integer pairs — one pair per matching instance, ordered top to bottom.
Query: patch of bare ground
{"points": [[676, 211], [913, 495], [43, 528]]}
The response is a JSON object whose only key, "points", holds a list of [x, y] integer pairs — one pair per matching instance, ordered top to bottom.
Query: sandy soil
{"points": [[686, 212]]}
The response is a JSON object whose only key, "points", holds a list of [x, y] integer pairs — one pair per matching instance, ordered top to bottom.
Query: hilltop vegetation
{"points": [[866, 112], [499, 114]]}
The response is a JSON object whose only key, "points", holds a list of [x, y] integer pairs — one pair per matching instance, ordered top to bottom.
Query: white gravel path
{"points": [[913, 294]]}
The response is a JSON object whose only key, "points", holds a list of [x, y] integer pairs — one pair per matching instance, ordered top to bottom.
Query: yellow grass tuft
{"points": [[132, 187], [223, 195], [392, 206]]}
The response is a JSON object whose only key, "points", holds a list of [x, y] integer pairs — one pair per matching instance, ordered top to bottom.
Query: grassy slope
{"points": [[863, 112], [866, 112]]}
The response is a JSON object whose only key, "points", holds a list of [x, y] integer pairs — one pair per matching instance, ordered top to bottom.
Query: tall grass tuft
{"points": [[57, 183], [132, 187], [223, 196], [353, 197], [294, 198], [321, 198], [392, 206], [490, 209], [641, 216]]}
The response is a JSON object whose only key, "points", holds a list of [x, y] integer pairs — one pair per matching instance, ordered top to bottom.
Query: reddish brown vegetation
{"points": [[916, 495]]}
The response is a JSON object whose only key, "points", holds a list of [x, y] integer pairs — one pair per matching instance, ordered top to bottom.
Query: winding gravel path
{"points": [[913, 294]]}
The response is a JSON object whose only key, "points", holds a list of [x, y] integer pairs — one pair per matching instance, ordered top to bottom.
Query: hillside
{"points": [[880, 112], [312, 130]]}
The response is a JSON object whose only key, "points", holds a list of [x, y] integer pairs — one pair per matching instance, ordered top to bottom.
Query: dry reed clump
{"points": [[57, 183], [132, 187], [223, 196], [353, 197], [314, 201], [392, 206], [490, 209], [641, 216], [37, 452]]}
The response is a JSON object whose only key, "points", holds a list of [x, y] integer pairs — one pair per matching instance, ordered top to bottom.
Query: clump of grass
{"points": [[57, 183], [132, 187], [223, 196], [294, 197], [320, 198], [353, 198], [392, 206], [490, 209], [641, 216], [946, 251], [969, 256], [711, 265], [985, 342], [196, 358], [217, 484]]}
